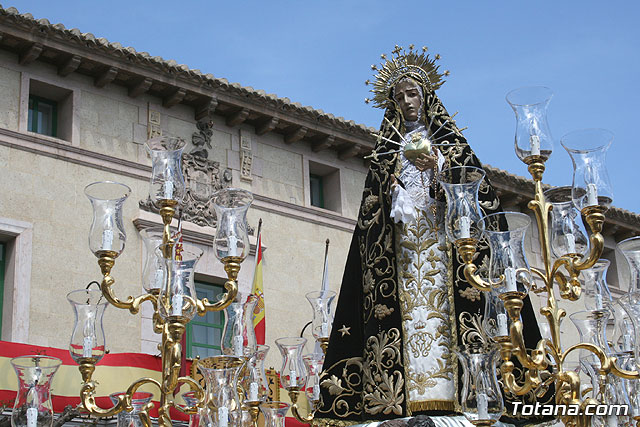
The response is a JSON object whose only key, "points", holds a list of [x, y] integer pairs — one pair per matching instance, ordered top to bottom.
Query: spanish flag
{"points": [[258, 313], [114, 373]]}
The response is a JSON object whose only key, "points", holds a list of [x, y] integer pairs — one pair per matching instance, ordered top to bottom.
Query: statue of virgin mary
{"points": [[404, 303]]}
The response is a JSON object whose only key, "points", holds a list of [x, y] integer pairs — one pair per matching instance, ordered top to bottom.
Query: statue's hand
{"points": [[426, 161]]}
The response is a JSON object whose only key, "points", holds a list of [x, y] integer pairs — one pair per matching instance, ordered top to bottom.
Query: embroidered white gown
{"points": [[426, 299]]}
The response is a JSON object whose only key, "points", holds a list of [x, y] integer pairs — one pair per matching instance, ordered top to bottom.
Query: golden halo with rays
{"points": [[418, 65]]}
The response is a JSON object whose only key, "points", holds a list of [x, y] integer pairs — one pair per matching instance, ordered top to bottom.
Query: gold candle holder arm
{"points": [[594, 216], [467, 250], [106, 262], [232, 268], [570, 288], [537, 360], [608, 364], [531, 382], [199, 394], [293, 395], [87, 396], [145, 419]]}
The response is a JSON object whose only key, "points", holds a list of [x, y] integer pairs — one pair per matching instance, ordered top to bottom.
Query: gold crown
{"points": [[413, 63]]}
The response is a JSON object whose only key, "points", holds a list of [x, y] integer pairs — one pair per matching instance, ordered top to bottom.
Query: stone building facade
{"points": [[109, 99]]}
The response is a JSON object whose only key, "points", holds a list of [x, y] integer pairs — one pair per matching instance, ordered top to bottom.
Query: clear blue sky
{"points": [[319, 53]]}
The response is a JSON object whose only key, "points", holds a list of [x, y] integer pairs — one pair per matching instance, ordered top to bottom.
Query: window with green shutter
{"points": [[43, 116], [204, 333]]}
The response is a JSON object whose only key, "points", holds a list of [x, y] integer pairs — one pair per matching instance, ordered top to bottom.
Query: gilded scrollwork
{"points": [[471, 330], [383, 386], [342, 388]]}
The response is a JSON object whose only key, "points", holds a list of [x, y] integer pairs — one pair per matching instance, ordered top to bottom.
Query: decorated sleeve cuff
{"points": [[402, 207]]}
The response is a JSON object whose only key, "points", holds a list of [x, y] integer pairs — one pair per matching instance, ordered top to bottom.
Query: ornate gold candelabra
{"points": [[561, 274], [173, 309]]}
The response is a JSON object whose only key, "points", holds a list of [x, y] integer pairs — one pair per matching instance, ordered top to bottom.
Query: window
{"points": [[50, 110], [43, 116], [324, 187], [315, 191], [204, 333]]}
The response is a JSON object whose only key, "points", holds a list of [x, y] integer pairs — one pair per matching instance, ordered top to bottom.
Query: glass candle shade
{"points": [[533, 137], [588, 151], [461, 185], [167, 187], [567, 233], [107, 234], [231, 240], [630, 248], [508, 267], [153, 270], [596, 291], [178, 296], [631, 304], [322, 305], [496, 321], [591, 326], [238, 334], [623, 336], [87, 340], [313, 362], [293, 374], [221, 375], [254, 383], [481, 395], [191, 400], [32, 407], [274, 413], [131, 418]]}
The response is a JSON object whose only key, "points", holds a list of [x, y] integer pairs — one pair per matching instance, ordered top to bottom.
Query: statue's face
{"points": [[407, 95]]}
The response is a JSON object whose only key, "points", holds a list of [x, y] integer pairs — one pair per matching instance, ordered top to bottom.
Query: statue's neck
{"points": [[411, 126]]}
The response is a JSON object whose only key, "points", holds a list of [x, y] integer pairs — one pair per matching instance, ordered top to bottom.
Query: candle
{"points": [[535, 145], [168, 190], [592, 195], [465, 227], [107, 240], [571, 243], [233, 246], [159, 278], [510, 278], [598, 301], [176, 305], [502, 325], [324, 329], [238, 341], [626, 342], [87, 346], [293, 378], [253, 391], [316, 392], [483, 406], [223, 416], [32, 417]]}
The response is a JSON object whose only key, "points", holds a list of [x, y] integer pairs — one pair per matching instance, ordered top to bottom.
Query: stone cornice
{"points": [[49, 147]]}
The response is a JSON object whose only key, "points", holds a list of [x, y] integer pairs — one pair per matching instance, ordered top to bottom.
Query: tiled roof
{"points": [[172, 67]]}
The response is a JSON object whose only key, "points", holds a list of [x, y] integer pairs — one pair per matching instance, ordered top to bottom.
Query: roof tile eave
{"points": [[144, 59]]}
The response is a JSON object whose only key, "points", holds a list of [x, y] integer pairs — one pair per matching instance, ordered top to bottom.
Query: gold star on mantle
{"points": [[345, 330]]}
